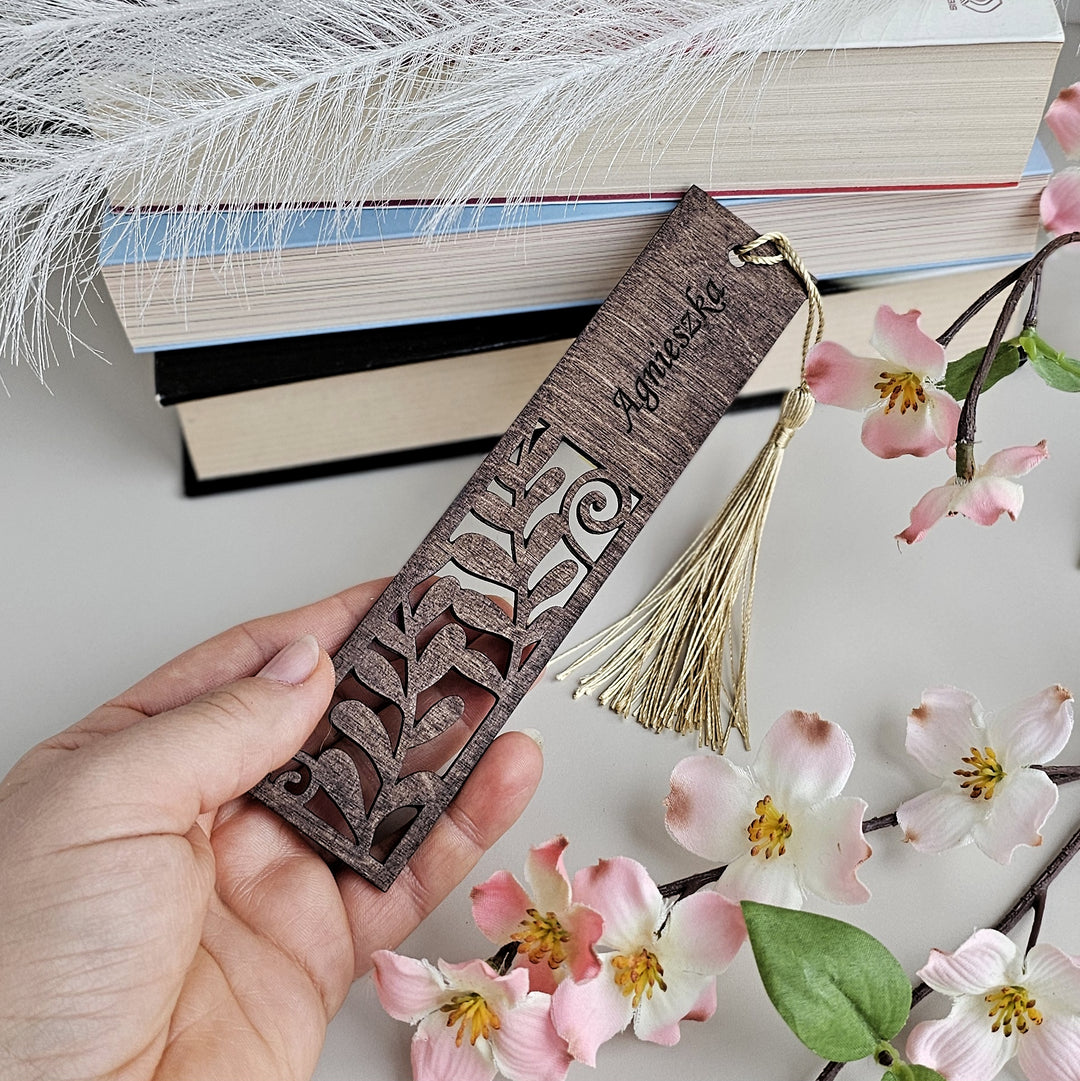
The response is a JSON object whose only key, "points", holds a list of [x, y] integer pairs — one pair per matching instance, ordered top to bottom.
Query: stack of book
{"points": [[901, 165]]}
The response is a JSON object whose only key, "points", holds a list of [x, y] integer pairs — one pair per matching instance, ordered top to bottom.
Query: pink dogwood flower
{"points": [[1063, 119], [1059, 204], [905, 411], [989, 494], [988, 793], [781, 826], [556, 934], [662, 964], [1003, 1006], [471, 1021]]}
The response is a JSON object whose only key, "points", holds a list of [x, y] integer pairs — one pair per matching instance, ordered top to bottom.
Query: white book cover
{"points": [[937, 22]]}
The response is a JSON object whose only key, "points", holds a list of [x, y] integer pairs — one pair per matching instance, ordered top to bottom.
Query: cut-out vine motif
{"points": [[444, 658]]}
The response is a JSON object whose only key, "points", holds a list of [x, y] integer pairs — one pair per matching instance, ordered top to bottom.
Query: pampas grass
{"points": [[182, 102]]}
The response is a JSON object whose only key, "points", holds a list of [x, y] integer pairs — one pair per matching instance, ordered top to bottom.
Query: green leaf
{"points": [[1057, 370], [960, 372], [839, 990], [902, 1072]]}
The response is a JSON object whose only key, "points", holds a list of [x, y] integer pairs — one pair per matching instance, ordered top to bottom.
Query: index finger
{"points": [[244, 649]]}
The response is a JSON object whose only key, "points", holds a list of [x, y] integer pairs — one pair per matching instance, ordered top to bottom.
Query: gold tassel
{"points": [[681, 656]]}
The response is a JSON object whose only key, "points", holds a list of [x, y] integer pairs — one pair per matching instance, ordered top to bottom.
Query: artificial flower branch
{"points": [[1027, 274], [684, 887], [1032, 899], [582, 958]]}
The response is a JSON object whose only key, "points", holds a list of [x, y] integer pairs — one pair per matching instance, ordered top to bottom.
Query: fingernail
{"points": [[294, 663], [534, 735]]}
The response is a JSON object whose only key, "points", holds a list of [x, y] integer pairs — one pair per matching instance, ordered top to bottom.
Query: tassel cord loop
{"points": [[786, 253]]}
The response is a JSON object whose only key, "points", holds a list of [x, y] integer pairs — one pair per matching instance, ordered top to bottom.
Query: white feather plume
{"points": [[183, 102]]}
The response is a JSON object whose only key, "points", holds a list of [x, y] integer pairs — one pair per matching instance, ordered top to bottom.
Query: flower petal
{"points": [[1063, 119], [1059, 204], [900, 339], [838, 377], [944, 414], [892, 434], [1015, 461], [985, 499], [927, 512], [943, 728], [1033, 730], [803, 759], [710, 804], [1019, 808], [940, 819], [828, 846], [547, 877], [771, 882], [627, 899], [499, 906], [585, 927], [703, 934], [987, 959], [541, 976], [1055, 977], [408, 989], [502, 992], [705, 1006], [588, 1014], [657, 1017], [526, 1046], [961, 1047], [1051, 1052], [437, 1057]]}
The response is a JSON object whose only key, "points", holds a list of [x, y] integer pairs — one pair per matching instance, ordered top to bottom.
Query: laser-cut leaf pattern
{"points": [[554, 582], [481, 612], [424, 641], [445, 712], [353, 719]]}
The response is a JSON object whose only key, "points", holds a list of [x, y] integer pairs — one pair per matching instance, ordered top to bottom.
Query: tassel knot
{"points": [[795, 411]]}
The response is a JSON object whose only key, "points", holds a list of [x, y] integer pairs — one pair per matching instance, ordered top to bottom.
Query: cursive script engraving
{"points": [[701, 303]]}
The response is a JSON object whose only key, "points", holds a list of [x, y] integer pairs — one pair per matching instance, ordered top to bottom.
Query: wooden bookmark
{"points": [[547, 515]]}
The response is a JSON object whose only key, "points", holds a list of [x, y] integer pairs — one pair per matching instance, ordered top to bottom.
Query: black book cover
{"points": [[183, 375], [193, 486]]}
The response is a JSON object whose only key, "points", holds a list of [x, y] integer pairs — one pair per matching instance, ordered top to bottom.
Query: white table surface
{"points": [[106, 570]]}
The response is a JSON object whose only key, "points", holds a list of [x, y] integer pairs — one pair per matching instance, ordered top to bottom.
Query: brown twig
{"points": [[977, 305], [965, 429], [1061, 774], [882, 822], [683, 887]]}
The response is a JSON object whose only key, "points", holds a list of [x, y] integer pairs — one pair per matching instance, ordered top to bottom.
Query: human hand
{"points": [[158, 923]]}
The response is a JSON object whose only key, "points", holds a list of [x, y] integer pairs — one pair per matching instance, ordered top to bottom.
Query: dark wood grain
{"points": [[435, 668]]}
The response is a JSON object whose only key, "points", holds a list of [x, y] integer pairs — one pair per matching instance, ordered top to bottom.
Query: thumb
{"points": [[192, 759]]}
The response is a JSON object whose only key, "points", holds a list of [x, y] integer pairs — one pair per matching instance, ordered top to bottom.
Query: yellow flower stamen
{"points": [[903, 387], [985, 773], [769, 831], [542, 936], [638, 974], [1012, 1007], [473, 1012]]}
